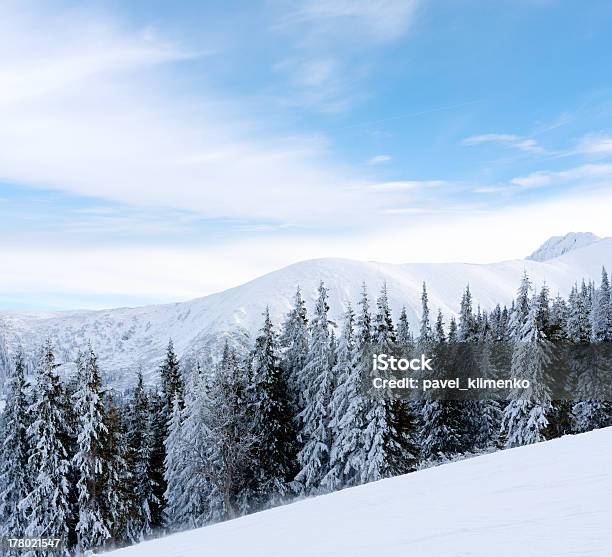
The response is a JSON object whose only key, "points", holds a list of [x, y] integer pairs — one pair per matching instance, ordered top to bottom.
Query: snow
{"points": [[558, 245], [126, 338], [549, 499]]}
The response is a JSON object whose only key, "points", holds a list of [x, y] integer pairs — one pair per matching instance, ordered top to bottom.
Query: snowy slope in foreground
{"points": [[125, 338], [551, 499]]}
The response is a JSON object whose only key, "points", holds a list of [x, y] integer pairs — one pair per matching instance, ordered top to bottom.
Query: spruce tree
{"points": [[601, 313], [425, 330], [453, 332], [439, 334], [405, 339], [294, 349], [171, 380], [348, 406], [345, 409], [525, 418], [273, 425], [389, 432], [441, 432], [315, 433], [140, 440], [14, 451], [173, 466], [117, 476], [190, 493], [47, 505], [92, 527]]}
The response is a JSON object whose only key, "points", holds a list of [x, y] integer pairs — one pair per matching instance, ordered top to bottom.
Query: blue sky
{"points": [[156, 151]]}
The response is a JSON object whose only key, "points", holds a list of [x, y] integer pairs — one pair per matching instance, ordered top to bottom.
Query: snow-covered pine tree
{"points": [[520, 308], [601, 313], [544, 319], [558, 319], [578, 319], [468, 328], [425, 329], [383, 332], [453, 332], [439, 334], [405, 339], [294, 351], [5, 360], [589, 374], [171, 380], [472, 411], [346, 412], [488, 412], [560, 416], [525, 419], [441, 420], [273, 424], [441, 424], [157, 431], [315, 434], [388, 435], [140, 440], [400, 445], [350, 449], [14, 451], [226, 451], [173, 468], [117, 476], [189, 492], [47, 505], [93, 526]]}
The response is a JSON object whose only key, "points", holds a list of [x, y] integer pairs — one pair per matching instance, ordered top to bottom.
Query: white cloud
{"points": [[374, 20], [322, 67], [87, 107], [510, 140], [597, 145], [379, 159], [586, 175], [406, 185], [470, 236]]}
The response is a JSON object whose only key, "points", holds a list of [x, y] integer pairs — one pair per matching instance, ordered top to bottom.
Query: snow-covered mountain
{"points": [[558, 245], [126, 338], [548, 499]]}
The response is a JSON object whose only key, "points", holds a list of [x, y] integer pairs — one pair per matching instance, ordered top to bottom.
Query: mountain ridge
{"points": [[556, 246], [128, 338]]}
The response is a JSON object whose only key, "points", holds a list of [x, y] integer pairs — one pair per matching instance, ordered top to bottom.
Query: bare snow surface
{"points": [[553, 499]]}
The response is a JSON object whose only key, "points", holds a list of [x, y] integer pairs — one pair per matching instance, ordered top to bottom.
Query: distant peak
{"points": [[558, 245]]}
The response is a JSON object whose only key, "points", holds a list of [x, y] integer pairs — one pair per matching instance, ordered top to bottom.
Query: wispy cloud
{"points": [[374, 20], [322, 67], [86, 107], [509, 140], [598, 145], [379, 159], [584, 175], [406, 185]]}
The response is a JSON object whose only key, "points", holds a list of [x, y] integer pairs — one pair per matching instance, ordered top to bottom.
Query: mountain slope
{"points": [[558, 245], [126, 338], [543, 500]]}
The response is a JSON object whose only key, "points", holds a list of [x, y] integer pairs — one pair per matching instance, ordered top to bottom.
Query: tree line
{"points": [[286, 419]]}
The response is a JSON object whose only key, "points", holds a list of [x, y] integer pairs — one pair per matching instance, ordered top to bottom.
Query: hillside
{"points": [[558, 245], [125, 338], [550, 499]]}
